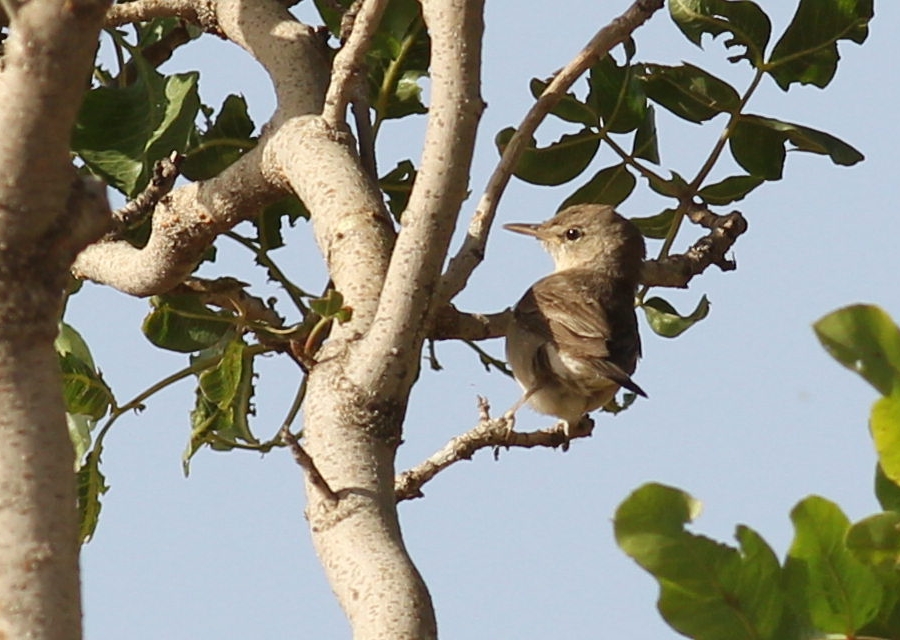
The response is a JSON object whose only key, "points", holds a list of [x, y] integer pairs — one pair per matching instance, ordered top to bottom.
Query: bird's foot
{"points": [[510, 419]]}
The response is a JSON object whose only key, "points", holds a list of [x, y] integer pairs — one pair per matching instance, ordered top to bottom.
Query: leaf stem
{"points": [[262, 257]]}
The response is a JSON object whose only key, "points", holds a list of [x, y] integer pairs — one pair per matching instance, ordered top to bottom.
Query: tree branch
{"points": [[199, 12], [349, 61], [165, 173], [187, 220], [471, 253], [677, 270], [407, 299], [452, 324], [493, 433], [303, 459]]}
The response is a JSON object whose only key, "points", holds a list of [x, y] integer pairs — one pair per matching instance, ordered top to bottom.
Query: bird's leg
{"points": [[510, 415]]}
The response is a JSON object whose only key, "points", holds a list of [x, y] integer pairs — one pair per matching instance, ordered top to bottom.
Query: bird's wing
{"points": [[577, 322]]}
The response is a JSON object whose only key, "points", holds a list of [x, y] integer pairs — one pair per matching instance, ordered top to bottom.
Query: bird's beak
{"points": [[525, 228]]}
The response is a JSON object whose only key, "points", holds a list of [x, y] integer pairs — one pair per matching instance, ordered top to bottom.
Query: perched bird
{"points": [[573, 341]]}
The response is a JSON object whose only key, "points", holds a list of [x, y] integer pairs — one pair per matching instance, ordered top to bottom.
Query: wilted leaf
{"points": [[807, 51], [557, 163], [611, 185], [270, 222], [666, 321], [224, 392], [91, 485]]}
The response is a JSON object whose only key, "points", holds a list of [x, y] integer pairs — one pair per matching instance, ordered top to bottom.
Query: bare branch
{"points": [[199, 12], [348, 63], [165, 172], [472, 251], [677, 270], [407, 299], [452, 324], [493, 433], [306, 462]]}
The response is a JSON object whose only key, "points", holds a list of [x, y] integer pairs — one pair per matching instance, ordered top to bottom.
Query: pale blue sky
{"points": [[745, 411]]}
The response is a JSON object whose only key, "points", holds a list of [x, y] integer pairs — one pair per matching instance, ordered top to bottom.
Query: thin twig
{"points": [[349, 61], [165, 172], [472, 251], [488, 433], [305, 460]]}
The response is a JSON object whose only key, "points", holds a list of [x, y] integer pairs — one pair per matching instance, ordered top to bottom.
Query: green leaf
{"points": [[748, 25], [807, 51], [397, 60], [689, 92], [617, 96], [569, 108], [122, 131], [769, 132], [226, 140], [646, 143], [758, 149], [557, 163], [397, 185], [611, 185], [675, 187], [729, 190], [270, 222], [656, 227], [328, 306], [666, 321], [182, 323], [864, 339], [68, 340], [84, 391], [224, 394], [80, 427], [885, 427], [91, 485], [887, 491], [875, 540], [823, 578], [707, 589]]}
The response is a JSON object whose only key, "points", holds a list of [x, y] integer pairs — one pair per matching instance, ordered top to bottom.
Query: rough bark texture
{"points": [[47, 215], [358, 388]]}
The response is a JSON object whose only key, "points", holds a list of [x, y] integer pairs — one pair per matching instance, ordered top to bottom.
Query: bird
{"points": [[573, 340]]}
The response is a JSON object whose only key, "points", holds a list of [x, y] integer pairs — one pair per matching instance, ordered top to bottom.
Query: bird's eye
{"points": [[574, 233]]}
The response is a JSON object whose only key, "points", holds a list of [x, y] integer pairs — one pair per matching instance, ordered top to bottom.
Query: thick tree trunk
{"points": [[47, 215], [353, 436], [39, 592]]}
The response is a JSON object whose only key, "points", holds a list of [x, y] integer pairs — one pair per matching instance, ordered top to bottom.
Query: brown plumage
{"points": [[574, 339]]}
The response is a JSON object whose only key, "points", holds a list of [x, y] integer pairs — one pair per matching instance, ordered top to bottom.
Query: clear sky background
{"points": [[746, 411]]}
